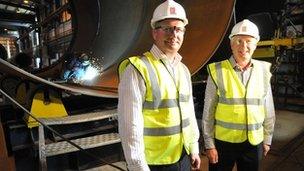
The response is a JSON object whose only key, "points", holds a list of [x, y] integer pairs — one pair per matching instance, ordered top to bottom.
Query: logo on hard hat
{"points": [[169, 9], [172, 10], [244, 28]]}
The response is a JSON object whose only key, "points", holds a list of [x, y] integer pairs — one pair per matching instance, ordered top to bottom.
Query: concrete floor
{"points": [[288, 143], [287, 150]]}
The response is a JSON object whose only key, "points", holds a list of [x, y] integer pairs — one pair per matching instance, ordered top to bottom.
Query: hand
{"points": [[266, 148], [212, 155], [195, 161]]}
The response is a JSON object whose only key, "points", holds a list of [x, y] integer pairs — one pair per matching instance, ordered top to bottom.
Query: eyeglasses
{"points": [[170, 30], [239, 41]]}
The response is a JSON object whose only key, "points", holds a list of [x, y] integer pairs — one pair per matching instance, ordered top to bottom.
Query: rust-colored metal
{"points": [[208, 23], [111, 30], [6, 162]]}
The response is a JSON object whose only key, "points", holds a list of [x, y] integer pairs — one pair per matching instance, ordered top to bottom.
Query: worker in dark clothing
{"points": [[75, 69]]}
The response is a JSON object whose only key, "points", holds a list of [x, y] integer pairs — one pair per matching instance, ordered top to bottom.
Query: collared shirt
{"points": [[131, 97], [211, 100]]}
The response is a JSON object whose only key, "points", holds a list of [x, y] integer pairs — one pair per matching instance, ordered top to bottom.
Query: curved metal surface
{"points": [[85, 21], [111, 30], [126, 32], [9, 70]]}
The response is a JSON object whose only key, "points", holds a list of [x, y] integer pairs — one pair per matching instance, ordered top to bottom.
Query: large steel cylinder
{"points": [[111, 30]]}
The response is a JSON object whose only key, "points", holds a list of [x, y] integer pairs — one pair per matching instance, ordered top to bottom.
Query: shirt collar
{"points": [[158, 54], [236, 66]]}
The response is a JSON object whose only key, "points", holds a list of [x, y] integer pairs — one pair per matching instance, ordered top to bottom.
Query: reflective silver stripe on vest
{"points": [[187, 75], [219, 75], [153, 79], [266, 79], [232, 101], [241, 101], [157, 102], [165, 103], [250, 127], [167, 130]]}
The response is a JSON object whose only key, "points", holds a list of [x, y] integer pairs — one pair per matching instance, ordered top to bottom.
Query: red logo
{"points": [[172, 10], [244, 29]]}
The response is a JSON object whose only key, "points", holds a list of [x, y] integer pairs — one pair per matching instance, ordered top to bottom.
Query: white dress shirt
{"points": [[132, 91], [211, 100]]}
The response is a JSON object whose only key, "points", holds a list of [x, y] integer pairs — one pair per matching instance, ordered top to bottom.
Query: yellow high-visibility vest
{"points": [[166, 108], [240, 112]]}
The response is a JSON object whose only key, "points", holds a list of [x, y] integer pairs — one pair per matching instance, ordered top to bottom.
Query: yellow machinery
{"points": [[267, 48], [41, 101], [45, 103]]}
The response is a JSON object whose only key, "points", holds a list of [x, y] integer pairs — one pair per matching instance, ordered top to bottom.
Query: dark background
{"points": [[244, 8]]}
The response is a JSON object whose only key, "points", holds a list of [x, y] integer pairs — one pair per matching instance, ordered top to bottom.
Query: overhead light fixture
{"points": [[26, 2]]}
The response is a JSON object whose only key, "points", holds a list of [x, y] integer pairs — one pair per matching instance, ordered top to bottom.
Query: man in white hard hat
{"points": [[238, 118], [157, 122]]}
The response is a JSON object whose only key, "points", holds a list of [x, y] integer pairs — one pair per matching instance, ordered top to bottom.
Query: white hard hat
{"points": [[169, 9], [245, 27]]}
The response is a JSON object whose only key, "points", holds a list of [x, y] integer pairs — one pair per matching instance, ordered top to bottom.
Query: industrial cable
{"points": [[58, 134]]}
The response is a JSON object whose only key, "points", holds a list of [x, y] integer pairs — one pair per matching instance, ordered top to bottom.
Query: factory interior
{"points": [[53, 117]]}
